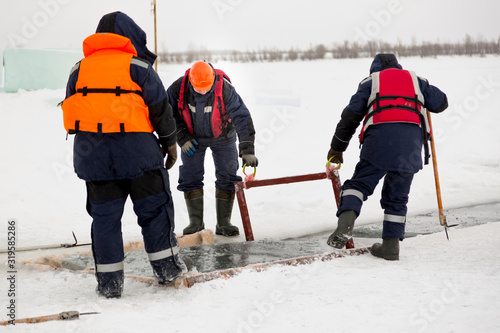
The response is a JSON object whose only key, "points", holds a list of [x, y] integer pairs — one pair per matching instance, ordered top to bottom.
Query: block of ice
{"points": [[31, 69]]}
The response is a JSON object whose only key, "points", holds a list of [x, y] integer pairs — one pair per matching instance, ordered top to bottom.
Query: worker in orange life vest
{"points": [[114, 102], [391, 102], [209, 114]]}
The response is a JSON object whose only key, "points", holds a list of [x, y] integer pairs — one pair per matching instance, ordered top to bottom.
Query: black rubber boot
{"points": [[194, 203], [224, 207], [343, 233], [389, 249], [168, 269], [110, 285]]}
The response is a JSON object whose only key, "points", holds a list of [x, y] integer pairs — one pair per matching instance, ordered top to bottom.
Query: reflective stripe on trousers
{"points": [[356, 193], [394, 218], [163, 254], [115, 267], [108, 268]]}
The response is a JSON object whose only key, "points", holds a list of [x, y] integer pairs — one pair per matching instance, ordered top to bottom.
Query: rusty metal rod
{"points": [[331, 174], [245, 218]]}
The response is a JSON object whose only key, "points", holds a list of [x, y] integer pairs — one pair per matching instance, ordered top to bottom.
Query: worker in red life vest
{"points": [[114, 102], [391, 103], [209, 113]]}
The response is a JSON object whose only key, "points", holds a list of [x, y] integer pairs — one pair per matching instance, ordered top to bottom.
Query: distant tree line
{"points": [[468, 47]]}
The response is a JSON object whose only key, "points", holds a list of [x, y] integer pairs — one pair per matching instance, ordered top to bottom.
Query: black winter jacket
{"points": [[388, 146], [112, 156]]}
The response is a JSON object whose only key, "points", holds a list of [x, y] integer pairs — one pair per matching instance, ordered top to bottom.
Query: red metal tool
{"points": [[250, 181]]}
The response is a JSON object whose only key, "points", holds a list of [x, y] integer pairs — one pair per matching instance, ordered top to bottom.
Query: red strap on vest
{"points": [[396, 100], [182, 105], [219, 116]]}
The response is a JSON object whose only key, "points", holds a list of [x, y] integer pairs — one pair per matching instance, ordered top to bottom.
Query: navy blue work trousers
{"points": [[225, 156], [395, 192], [152, 203]]}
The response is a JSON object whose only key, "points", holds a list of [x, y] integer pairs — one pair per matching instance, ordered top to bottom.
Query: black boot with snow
{"points": [[194, 203], [224, 207], [343, 233], [388, 250], [168, 269], [110, 284]]}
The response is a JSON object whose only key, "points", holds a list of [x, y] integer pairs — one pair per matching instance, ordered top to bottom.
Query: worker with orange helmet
{"points": [[209, 113]]}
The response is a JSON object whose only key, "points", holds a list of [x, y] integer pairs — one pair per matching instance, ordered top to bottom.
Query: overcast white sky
{"points": [[251, 24]]}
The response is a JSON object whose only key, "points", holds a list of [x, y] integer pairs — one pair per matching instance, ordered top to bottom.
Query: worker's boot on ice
{"points": [[194, 204], [224, 207], [343, 233], [389, 249], [168, 269], [109, 284]]}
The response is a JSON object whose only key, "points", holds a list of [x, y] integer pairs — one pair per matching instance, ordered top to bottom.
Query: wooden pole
{"points": [[156, 39], [442, 217], [67, 315]]}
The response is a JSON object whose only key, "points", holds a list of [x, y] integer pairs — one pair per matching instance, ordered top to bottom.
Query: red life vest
{"points": [[395, 98], [107, 100], [220, 120]]}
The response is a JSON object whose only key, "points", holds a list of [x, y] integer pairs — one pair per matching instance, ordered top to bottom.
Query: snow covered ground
{"points": [[437, 286]]}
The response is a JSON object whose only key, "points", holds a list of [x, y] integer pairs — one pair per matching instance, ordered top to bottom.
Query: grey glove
{"points": [[188, 147], [171, 153], [337, 156], [250, 160]]}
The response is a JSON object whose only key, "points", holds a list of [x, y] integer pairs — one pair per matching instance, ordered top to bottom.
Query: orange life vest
{"points": [[107, 100]]}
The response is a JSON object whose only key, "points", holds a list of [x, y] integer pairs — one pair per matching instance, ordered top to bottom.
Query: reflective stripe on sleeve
{"points": [[139, 62], [75, 67], [356, 193], [394, 218], [163, 254], [108, 268]]}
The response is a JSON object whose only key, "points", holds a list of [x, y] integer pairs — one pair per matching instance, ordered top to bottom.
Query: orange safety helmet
{"points": [[201, 75]]}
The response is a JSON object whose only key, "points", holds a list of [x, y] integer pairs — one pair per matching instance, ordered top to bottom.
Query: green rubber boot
{"points": [[194, 203], [224, 207], [343, 233], [388, 250]]}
